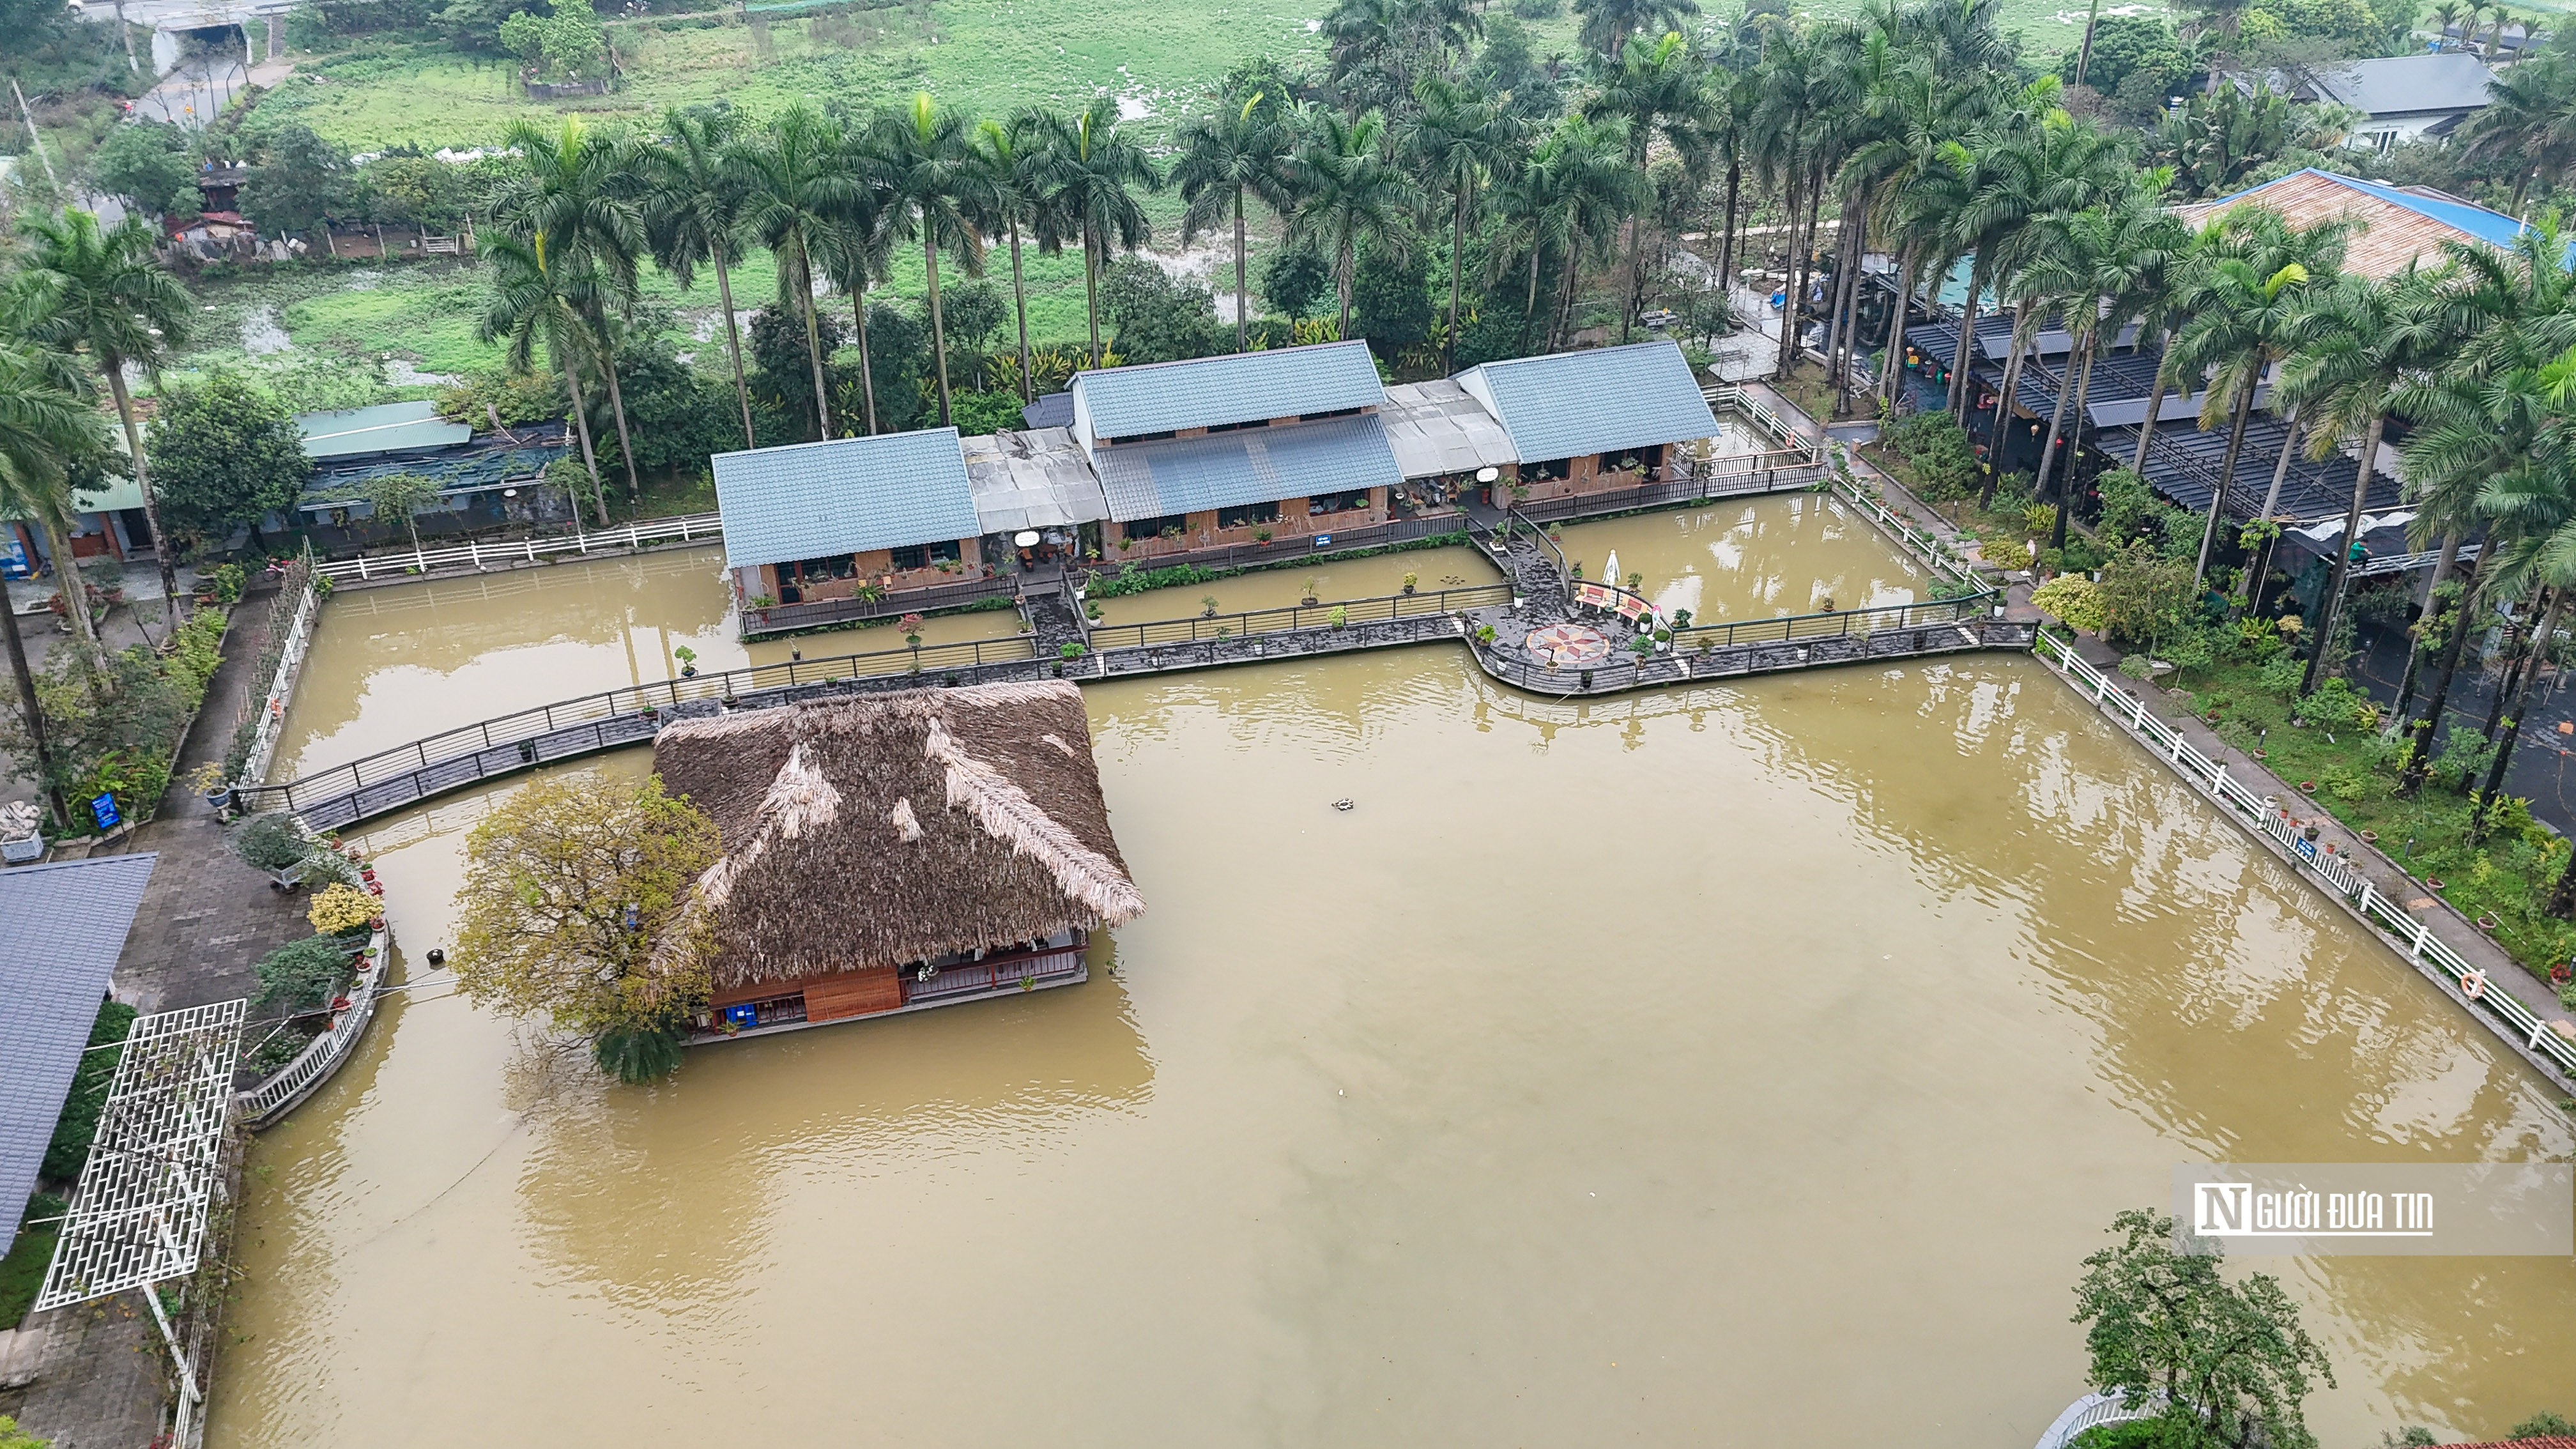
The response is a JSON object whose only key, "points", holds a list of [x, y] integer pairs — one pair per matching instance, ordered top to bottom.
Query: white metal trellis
{"points": [[145, 1193]]}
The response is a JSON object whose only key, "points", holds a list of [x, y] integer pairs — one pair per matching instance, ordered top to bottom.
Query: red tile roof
{"points": [[2548, 1441]]}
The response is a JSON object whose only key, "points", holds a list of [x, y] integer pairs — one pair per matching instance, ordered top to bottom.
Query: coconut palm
{"points": [[2445, 15], [1609, 26], [1920, 114], [2529, 123], [1457, 142], [1242, 149], [1017, 167], [1096, 174], [577, 188], [1590, 189], [1349, 190], [797, 191], [934, 192], [692, 203], [100, 292], [542, 296], [2243, 305], [2350, 351], [43, 421]]}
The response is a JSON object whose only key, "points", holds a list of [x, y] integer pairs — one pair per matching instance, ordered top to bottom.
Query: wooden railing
{"points": [[1324, 542], [406, 562], [885, 606], [1305, 616], [1837, 624], [994, 973], [2491, 1003]]}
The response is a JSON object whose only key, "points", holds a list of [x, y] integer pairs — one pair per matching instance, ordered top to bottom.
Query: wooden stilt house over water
{"points": [[896, 851]]}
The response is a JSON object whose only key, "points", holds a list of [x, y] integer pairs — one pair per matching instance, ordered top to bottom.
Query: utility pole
{"points": [[127, 36], [2084, 57], [30, 118]]}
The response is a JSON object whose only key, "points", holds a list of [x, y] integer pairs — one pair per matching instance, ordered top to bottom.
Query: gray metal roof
{"points": [[2408, 84], [1242, 387], [1596, 401], [1049, 410], [401, 427], [1436, 427], [1257, 465], [1034, 479], [849, 495], [62, 926]]}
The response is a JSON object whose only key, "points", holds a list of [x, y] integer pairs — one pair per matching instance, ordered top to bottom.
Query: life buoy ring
{"points": [[2474, 983]]}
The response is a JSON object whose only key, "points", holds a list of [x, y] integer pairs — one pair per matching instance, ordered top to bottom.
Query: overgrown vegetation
{"points": [[116, 734]]}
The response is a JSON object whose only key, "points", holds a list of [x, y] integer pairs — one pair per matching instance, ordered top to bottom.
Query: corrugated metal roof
{"points": [[2406, 85], [2398, 225], [1242, 387], [1597, 401], [1049, 410], [1437, 427], [384, 428], [1256, 465], [1034, 479], [849, 495], [62, 926]]}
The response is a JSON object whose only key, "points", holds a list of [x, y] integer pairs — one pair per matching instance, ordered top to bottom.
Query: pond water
{"points": [[1754, 558], [1374, 577], [391, 665], [1724, 1065]]}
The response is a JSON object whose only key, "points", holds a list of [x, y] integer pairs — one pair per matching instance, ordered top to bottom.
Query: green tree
{"points": [[1608, 25], [566, 44], [1658, 89], [2529, 123], [1457, 142], [1242, 149], [148, 163], [1019, 169], [1096, 174], [298, 182], [577, 188], [1349, 191], [935, 192], [798, 194], [692, 207], [1295, 280], [101, 293], [1391, 297], [540, 299], [975, 312], [1159, 317], [42, 422], [228, 454], [400, 495], [552, 877], [2229, 1362]]}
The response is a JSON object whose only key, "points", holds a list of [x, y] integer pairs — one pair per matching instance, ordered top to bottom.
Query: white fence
{"points": [[688, 529], [1923, 545], [272, 708], [2493, 1002], [323, 1055], [2092, 1411]]}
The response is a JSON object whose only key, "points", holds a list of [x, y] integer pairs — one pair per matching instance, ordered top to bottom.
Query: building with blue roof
{"points": [[2394, 224], [1596, 420], [483, 480], [818, 521], [62, 927]]}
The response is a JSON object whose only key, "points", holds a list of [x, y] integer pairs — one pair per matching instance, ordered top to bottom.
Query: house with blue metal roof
{"points": [[1595, 420], [1217, 452], [484, 479], [850, 518], [62, 927]]}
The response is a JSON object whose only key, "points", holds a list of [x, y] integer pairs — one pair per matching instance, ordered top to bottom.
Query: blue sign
{"points": [[1323, 540], [13, 556], [104, 807]]}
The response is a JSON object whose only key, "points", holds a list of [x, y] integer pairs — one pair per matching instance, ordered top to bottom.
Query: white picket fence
{"points": [[688, 529], [281, 688], [2497, 1005], [323, 1055]]}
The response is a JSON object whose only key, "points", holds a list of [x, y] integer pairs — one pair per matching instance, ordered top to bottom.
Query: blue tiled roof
{"points": [[1162, 397], [1597, 401], [1050, 410], [384, 428], [1257, 465], [849, 495], [62, 926]]}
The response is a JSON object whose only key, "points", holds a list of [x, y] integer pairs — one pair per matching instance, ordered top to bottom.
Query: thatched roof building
{"points": [[882, 831]]}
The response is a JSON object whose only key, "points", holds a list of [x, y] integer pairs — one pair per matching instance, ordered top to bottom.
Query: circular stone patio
{"points": [[1567, 646]]}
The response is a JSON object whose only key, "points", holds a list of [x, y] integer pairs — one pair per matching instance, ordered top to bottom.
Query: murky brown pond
{"points": [[1754, 558], [1278, 588], [390, 665], [1731, 1065]]}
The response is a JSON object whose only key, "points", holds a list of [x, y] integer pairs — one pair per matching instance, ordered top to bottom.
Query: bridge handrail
{"points": [[688, 528], [1299, 616], [1833, 623], [2410, 935]]}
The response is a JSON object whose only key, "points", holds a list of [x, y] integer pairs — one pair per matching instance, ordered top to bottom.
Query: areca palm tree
{"points": [[1610, 25], [1658, 89], [1920, 113], [2529, 122], [1458, 142], [1241, 150], [1018, 168], [1096, 174], [577, 188], [1589, 189], [1349, 190], [935, 191], [797, 192], [692, 202], [2110, 260], [101, 293], [543, 297], [2244, 304], [2357, 344], [42, 422]]}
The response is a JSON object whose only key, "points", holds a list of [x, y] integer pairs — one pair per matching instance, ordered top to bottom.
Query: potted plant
{"points": [[1261, 535], [1410, 579], [1637, 581], [1306, 594], [1207, 606], [1340, 617], [910, 624], [1485, 635], [1065, 654], [688, 658], [209, 783]]}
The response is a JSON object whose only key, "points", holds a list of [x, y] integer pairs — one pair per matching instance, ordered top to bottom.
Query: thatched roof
{"points": [[886, 829]]}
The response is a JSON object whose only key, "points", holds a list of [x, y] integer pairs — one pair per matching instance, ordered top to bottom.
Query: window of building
{"points": [[1335, 413], [1238, 427], [1146, 437], [1547, 472], [1338, 502], [1243, 513], [1174, 524], [922, 556], [819, 570]]}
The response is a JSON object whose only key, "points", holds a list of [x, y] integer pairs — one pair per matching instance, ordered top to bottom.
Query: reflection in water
{"points": [[1756, 558], [1373, 577], [391, 665], [1765, 1056]]}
